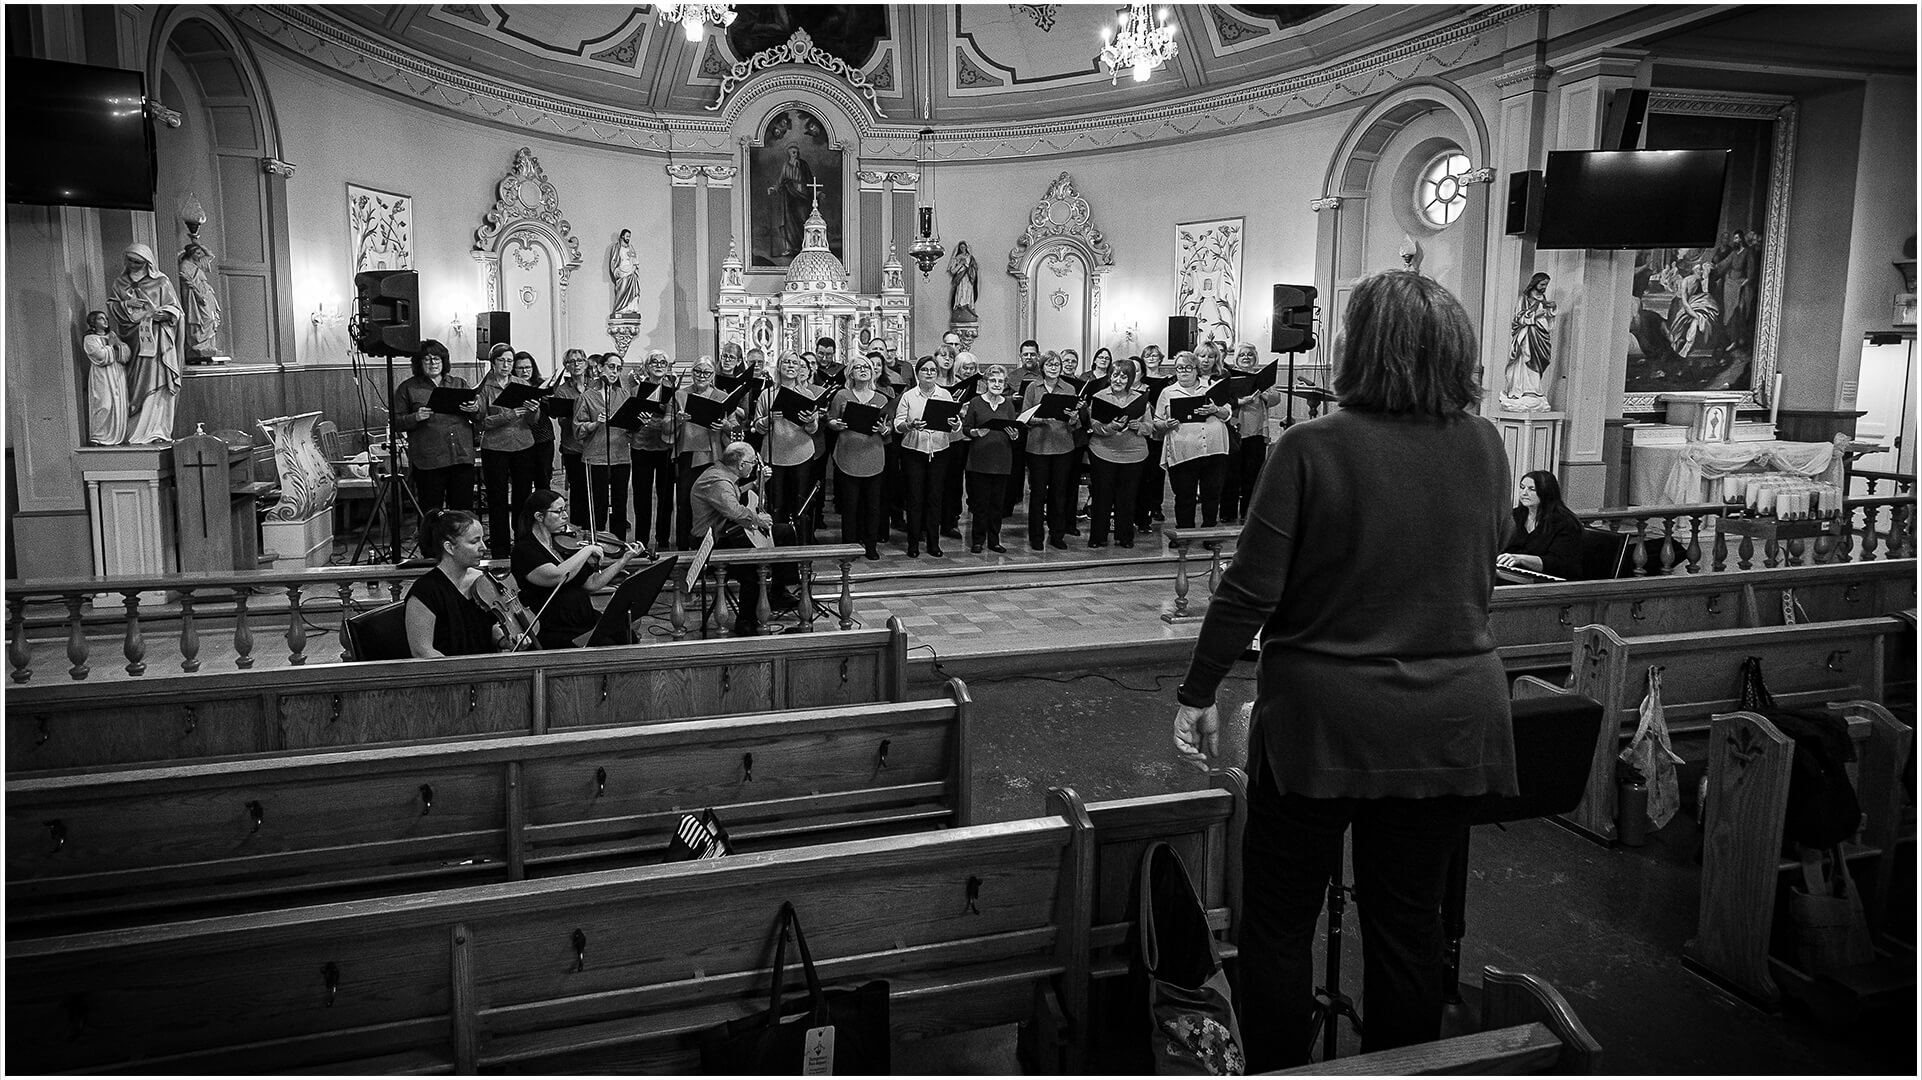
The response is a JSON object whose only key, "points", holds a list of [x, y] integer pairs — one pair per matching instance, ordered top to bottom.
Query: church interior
{"points": [[250, 831]]}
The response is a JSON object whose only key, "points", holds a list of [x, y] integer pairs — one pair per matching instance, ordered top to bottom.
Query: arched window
{"points": [[1440, 194]]}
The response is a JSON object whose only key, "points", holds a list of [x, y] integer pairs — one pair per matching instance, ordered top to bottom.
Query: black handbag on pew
{"points": [[1190, 1011], [831, 1032]]}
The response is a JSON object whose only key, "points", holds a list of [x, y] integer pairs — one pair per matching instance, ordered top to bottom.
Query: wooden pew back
{"points": [[1804, 666], [213, 715], [281, 829]]}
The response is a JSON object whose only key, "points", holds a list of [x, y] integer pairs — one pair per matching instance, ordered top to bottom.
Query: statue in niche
{"points": [[624, 266], [966, 287], [200, 305], [146, 314], [1529, 354], [106, 382]]}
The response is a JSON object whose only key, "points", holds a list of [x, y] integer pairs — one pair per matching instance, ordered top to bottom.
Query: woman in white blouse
{"points": [[1195, 451], [922, 474]]}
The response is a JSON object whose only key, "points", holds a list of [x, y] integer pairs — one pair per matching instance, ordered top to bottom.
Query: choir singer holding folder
{"points": [[1049, 405], [859, 412], [925, 418], [1194, 431], [1117, 447]]}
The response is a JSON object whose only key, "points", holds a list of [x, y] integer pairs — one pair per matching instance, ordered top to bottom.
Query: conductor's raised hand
{"points": [[1197, 734]]}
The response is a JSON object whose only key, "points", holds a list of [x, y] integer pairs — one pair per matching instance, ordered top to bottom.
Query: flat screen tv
{"points": [[78, 136], [1632, 199]]}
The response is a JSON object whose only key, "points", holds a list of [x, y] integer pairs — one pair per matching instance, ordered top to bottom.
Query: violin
{"points": [[571, 541], [503, 601]]}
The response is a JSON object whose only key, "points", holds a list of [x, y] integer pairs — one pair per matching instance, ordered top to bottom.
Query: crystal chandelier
{"points": [[695, 17], [1139, 44], [926, 250]]}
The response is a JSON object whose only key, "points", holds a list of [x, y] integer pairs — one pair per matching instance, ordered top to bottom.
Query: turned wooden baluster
{"points": [[1905, 517], [1868, 533], [1694, 550], [1719, 550], [1214, 565], [764, 573], [1181, 579], [346, 592], [847, 594], [807, 596], [678, 618], [296, 628], [243, 633], [189, 634], [76, 638], [135, 646], [19, 652]]}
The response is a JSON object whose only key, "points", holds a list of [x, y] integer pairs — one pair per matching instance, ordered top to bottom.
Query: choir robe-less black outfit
{"points": [[1557, 540], [570, 614], [461, 626]]}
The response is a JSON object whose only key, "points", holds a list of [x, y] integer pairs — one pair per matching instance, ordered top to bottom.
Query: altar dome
{"points": [[815, 269]]}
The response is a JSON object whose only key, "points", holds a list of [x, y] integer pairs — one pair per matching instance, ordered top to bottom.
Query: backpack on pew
{"points": [[1822, 808], [702, 837], [1831, 929], [1190, 1011], [831, 1032]]}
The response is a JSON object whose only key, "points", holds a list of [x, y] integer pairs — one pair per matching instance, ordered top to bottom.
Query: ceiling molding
{"points": [[345, 50]]}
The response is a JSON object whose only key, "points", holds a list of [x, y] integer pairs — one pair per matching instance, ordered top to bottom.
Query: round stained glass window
{"points": [[1441, 193]]}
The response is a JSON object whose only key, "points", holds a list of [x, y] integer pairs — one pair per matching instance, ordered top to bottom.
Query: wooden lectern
{"points": [[214, 515]]}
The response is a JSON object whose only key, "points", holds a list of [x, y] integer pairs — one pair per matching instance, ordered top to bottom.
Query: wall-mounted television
{"points": [[78, 135], [1632, 199]]}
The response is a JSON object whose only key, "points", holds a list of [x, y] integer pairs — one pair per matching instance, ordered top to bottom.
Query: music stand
{"points": [[389, 482], [636, 593], [1554, 742]]}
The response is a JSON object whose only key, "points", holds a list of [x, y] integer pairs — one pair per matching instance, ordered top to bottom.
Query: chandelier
{"points": [[695, 17], [1138, 44], [926, 250]]}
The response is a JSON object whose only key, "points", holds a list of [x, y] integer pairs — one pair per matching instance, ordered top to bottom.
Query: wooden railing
{"points": [[1899, 483], [345, 591]]}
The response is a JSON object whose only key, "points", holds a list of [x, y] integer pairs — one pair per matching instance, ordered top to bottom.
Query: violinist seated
{"points": [[718, 504], [1547, 537], [556, 582], [444, 617]]}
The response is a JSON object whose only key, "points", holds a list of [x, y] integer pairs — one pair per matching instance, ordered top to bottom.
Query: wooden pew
{"points": [[1535, 624], [1805, 666], [213, 715], [1749, 763], [1205, 828], [282, 829], [605, 970], [1527, 1027]]}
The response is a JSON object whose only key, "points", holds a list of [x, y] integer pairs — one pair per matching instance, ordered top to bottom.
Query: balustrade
{"points": [[86, 601]]}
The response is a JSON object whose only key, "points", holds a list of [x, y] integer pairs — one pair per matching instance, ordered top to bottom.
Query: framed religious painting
{"points": [[793, 167], [380, 229], [1208, 277], [1708, 318]]}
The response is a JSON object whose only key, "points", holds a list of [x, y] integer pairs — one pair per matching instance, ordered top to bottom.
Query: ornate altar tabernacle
{"points": [[816, 301]]}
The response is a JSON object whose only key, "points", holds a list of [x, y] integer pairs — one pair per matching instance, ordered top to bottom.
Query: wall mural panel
{"points": [[795, 154], [380, 229], [1208, 276]]}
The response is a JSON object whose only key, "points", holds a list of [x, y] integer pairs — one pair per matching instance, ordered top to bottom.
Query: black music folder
{"points": [[726, 381], [966, 388], [518, 394], [737, 397], [449, 399], [791, 403], [1056, 406], [555, 407], [1183, 409], [703, 410], [1107, 412], [940, 413], [632, 414], [862, 418], [1002, 423]]}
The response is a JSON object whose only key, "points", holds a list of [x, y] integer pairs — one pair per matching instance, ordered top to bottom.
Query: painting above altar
{"points": [[794, 162]]}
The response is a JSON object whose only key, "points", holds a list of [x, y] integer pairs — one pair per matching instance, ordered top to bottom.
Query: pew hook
{"points": [[1849, 594], [1715, 603], [1635, 611], [1564, 616], [1834, 662], [844, 671], [727, 677], [604, 679], [473, 698], [335, 717], [193, 721], [40, 732], [884, 752], [747, 768], [600, 781], [426, 799], [257, 812], [57, 832], [974, 893], [580, 949], [330, 973]]}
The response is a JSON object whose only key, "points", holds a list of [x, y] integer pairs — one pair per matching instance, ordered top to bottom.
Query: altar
{"points": [[816, 301]]}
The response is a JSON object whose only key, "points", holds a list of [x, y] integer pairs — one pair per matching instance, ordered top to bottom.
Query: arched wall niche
{"points": [[1363, 193], [247, 201], [528, 251], [1059, 265]]}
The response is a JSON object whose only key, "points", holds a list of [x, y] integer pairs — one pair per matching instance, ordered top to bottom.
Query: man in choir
{"points": [[1018, 380], [719, 506]]}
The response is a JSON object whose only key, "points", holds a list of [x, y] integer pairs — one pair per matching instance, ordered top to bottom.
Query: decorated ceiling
{"points": [[970, 63]]}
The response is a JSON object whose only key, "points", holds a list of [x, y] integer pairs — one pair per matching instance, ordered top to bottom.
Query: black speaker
{"points": [[1622, 123], [1524, 203], [387, 303], [1293, 325], [490, 328], [1184, 332]]}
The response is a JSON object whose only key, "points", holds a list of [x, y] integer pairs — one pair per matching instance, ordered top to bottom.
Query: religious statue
{"points": [[796, 200], [624, 266], [966, 288], [199, 302], [146, 314], [1529, 355], [106, 382]]}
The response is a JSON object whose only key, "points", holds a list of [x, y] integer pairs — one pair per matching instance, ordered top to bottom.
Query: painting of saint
{"points": [[787, 172]]}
